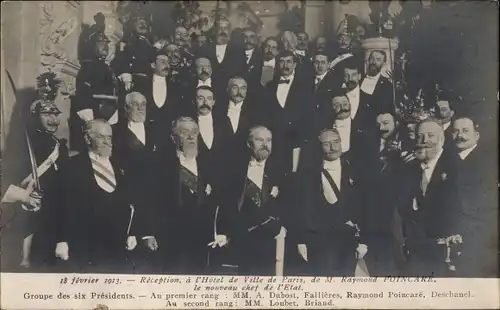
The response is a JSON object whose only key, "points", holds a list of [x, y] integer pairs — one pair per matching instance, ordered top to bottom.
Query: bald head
{"points": [[203, 68]]}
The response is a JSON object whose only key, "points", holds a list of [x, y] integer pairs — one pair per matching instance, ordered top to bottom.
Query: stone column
{"points": [[315, 18], [388, 46]]}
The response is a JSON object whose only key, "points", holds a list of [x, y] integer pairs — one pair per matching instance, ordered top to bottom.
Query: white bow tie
{"points": [[301, 53], [269, 63], [254, 163]]}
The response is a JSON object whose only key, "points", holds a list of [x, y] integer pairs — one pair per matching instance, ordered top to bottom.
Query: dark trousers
{"points": [[256, 253], [332, 254], [380, 258]]}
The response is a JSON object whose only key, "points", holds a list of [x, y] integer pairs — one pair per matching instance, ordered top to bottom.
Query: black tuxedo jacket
{"points": [[234, 62], [254, 74], [324, 92], [381, 99], [290, 124], [222, 135], [137, 160], [177, 207], [239, 212], [313, 215], [436, 215], [479, 217], [93, 221]]}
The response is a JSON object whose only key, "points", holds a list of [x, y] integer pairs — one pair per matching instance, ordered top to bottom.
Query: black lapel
{"points": [[266, 181]]}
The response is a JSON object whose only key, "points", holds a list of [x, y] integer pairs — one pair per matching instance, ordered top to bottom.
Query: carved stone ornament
{"points": [[57, 23]]}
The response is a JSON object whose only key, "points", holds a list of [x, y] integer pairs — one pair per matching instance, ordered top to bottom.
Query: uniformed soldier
{"points": [[132, 61], [96, 89], [39, 194]]}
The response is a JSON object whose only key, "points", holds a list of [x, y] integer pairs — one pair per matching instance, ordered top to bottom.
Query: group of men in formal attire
{"points": [[248, 145]]}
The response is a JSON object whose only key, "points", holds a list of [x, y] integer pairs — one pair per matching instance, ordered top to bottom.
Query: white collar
{"points": [[221, 46], [249, 52], [300, 52], [270, 63], [322, 76], [157, 77], [290, 77], [375, 77], [207, 82], [236, 106], [205, 117], [343, 122], [135, 125], [446, 125], [463, 154], [94, 156], [183, 158], [254, 163], [431, 164], [333, 165]]}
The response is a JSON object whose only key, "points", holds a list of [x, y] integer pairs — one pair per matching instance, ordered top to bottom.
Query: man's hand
{"points": [[126, 78], [407, 157], [33, 201], [282, 233], [220, 240], [131, 243], [151, 244], [62, 250], [302, 251], [361, 251]]}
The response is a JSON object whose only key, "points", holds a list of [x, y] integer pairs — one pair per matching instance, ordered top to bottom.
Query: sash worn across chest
{"points": [[51, 160], [188, 179], [253, 192]]}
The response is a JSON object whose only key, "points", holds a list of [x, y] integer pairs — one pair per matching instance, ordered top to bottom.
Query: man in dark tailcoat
{"points": [[267, 68], [377, 85], [288, 107], [477, 192], [428, 203], [251, 208], [181, 222], [95, 227], [326, 231]]}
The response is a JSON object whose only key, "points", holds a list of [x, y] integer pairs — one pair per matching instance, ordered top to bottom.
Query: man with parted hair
{"points": [[266, 69], [374, 83], [477, 192], [428, 203], [251, 206], [326, 217], [180, 226], [96, 227]]}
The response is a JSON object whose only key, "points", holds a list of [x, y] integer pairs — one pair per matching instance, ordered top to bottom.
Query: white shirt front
{"points": [[220, 52], [249, 54], [270, 63], [208, 82], [369, 83], [283, 89], [159, 90], [354, 96], [233, 112], [205, 122], [446, 125], [344, 129], [138, 130], [383, 142], [463, 154], [188, 163], [431, 165], [334, 169], [255, 171], [108, 172]]}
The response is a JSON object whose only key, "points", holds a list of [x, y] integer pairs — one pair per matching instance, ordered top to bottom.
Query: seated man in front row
{"points": [[250, 211], [96, 220], [326, 234]]}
